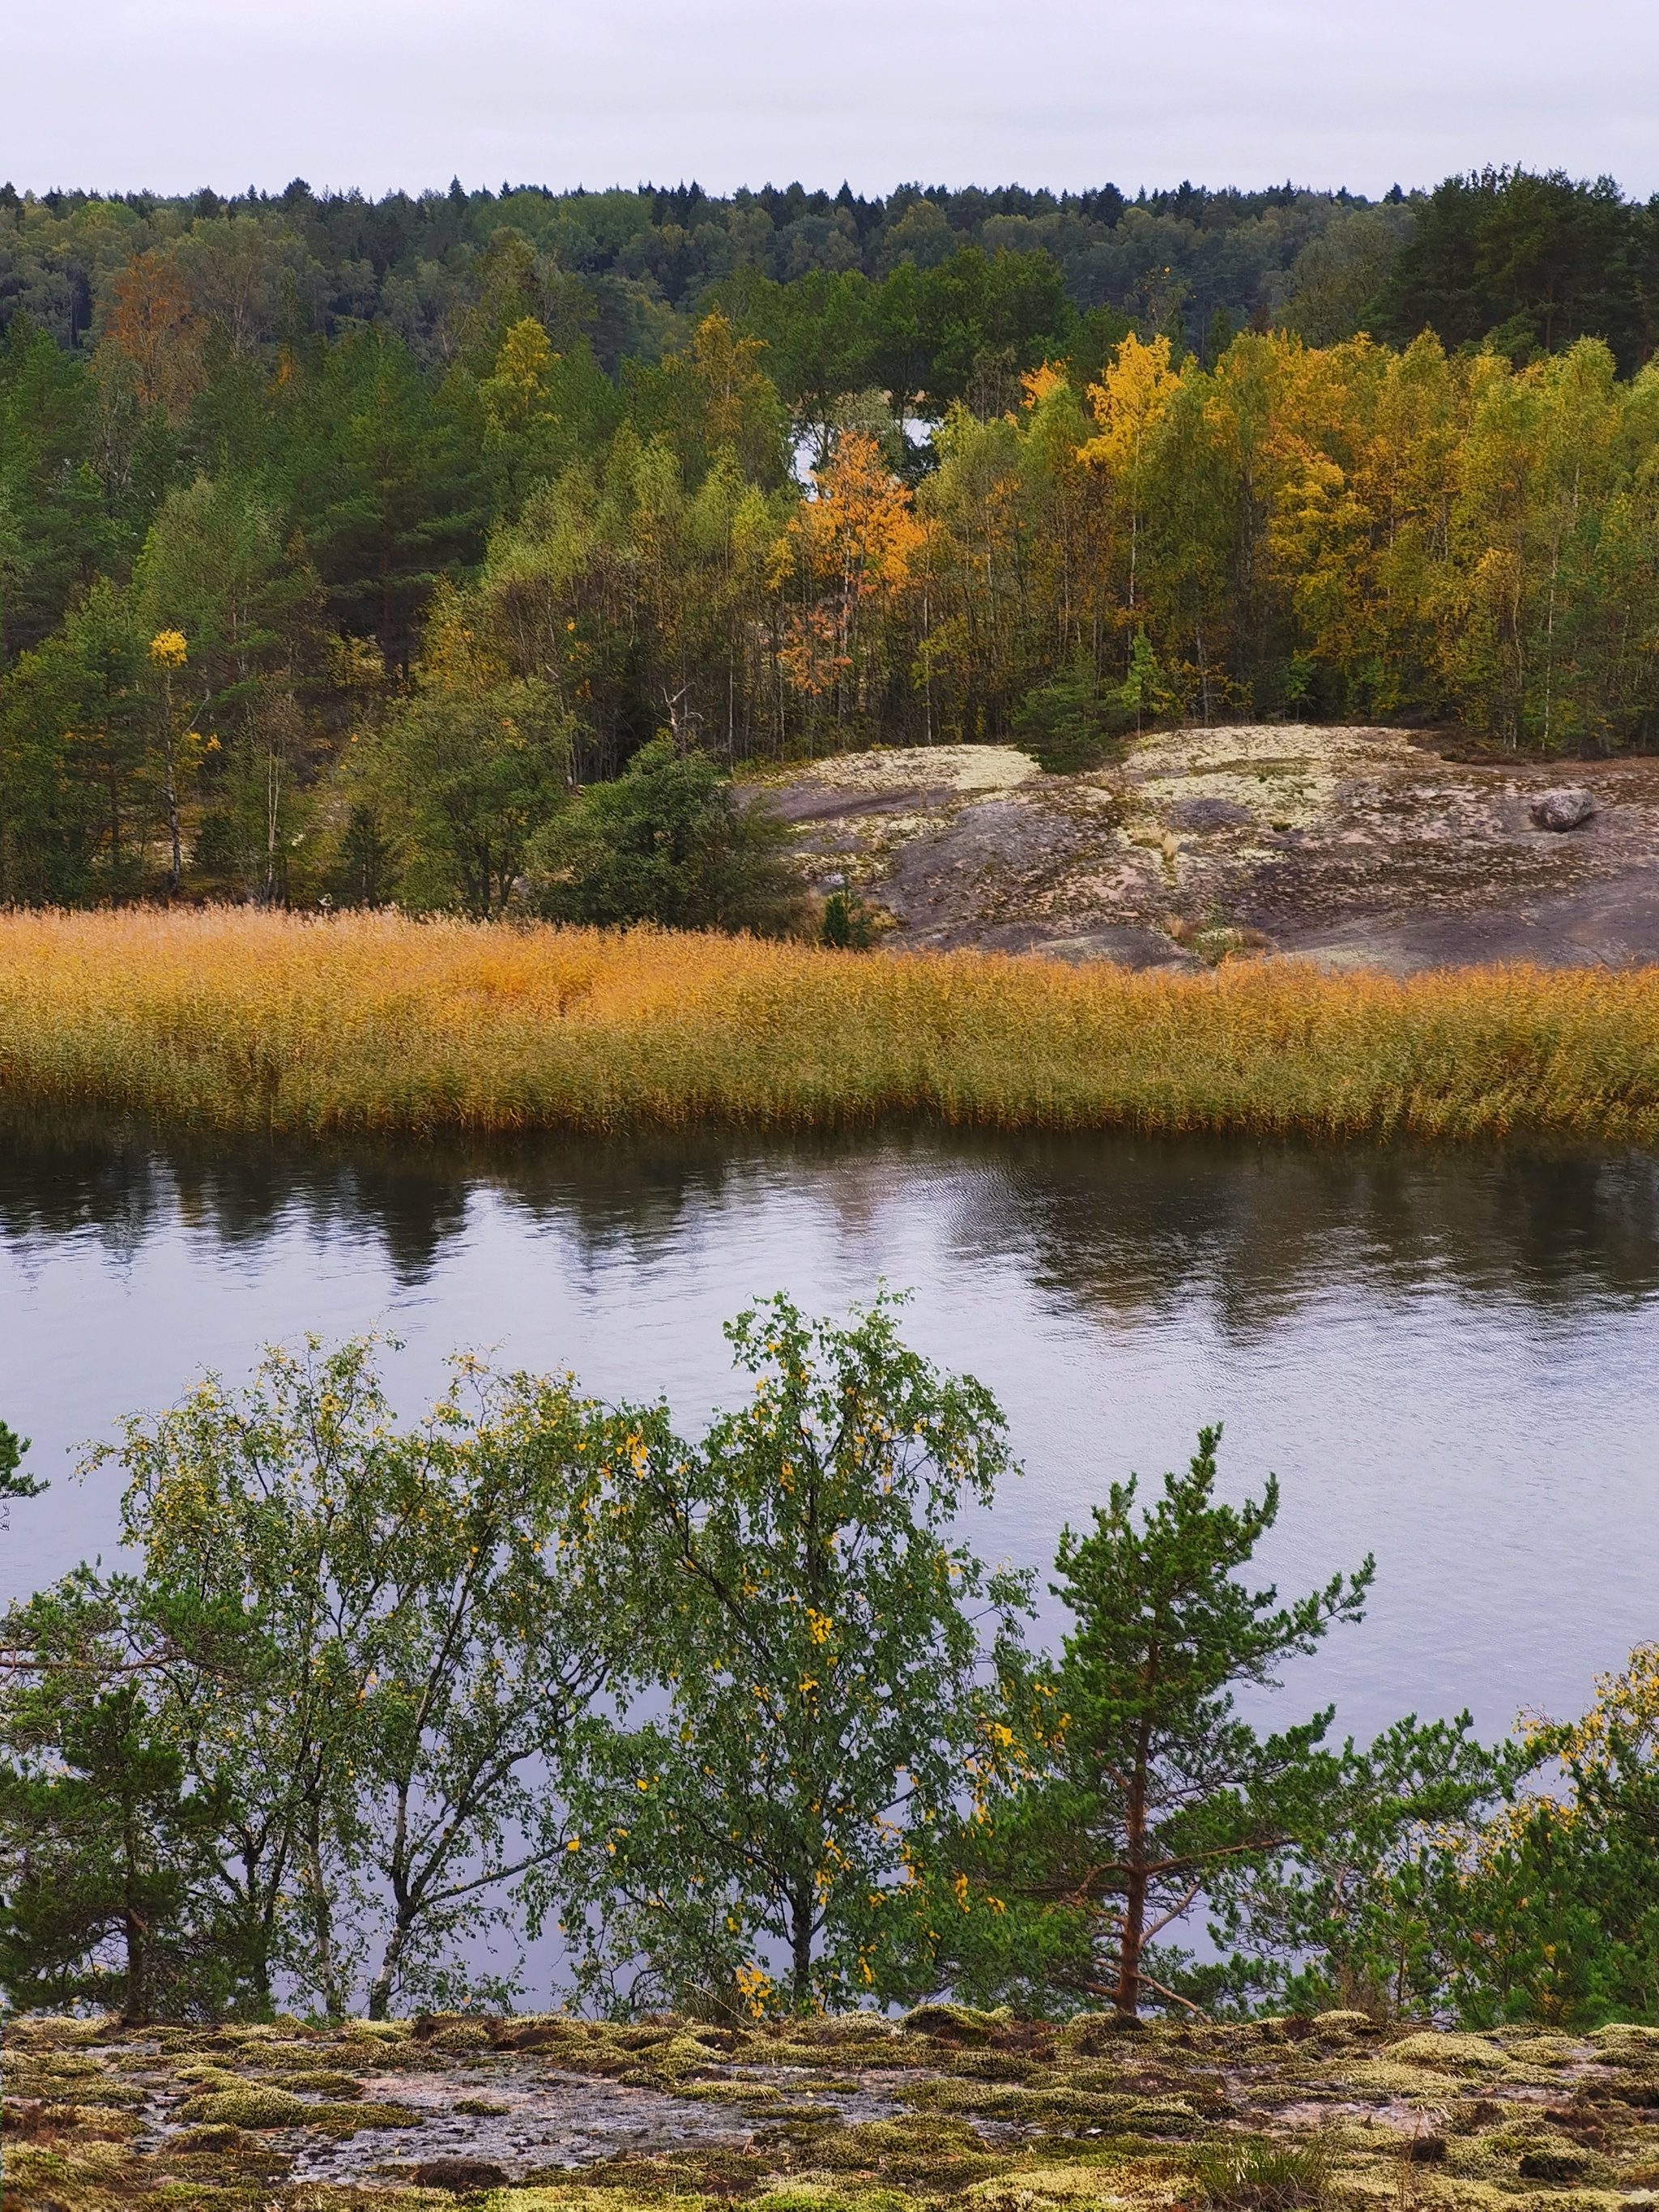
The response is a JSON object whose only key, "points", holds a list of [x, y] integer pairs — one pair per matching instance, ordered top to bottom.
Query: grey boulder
{"points": [[1561, 810]]}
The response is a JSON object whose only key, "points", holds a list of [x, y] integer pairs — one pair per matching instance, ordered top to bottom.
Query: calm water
{"points": [[1448, 1359]]}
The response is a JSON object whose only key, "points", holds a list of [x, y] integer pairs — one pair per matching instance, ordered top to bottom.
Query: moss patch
{"points": [[953, 2108]]}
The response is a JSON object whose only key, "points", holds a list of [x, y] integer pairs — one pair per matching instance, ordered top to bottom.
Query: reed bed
{"points": [[240, 1021]]}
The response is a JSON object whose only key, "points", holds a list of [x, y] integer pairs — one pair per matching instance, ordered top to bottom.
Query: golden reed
{"points": [[243, 1021]]}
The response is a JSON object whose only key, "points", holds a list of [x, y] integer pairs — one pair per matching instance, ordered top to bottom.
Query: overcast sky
{"points": [[174, 93]]}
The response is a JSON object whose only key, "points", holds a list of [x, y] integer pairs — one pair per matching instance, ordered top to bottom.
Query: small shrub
{"points": [[669, 841], [849, 925]]}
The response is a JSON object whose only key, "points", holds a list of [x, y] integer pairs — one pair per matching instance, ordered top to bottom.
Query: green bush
{"points": [[669, 841]]}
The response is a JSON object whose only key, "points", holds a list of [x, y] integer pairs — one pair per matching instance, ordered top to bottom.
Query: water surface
{"points": [[1449, 1359]]}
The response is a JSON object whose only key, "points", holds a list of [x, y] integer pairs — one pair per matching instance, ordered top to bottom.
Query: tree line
{"points": [[303, 598], [746, 1723]]}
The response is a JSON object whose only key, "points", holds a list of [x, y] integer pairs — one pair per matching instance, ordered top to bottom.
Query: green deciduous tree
{"points": [[471, 775], [803, 1601], [384, 1635], [1359, 1910], [1553, 1914]]}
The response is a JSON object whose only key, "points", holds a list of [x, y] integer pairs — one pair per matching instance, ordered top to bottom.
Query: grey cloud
{"points": [[359, 92]]}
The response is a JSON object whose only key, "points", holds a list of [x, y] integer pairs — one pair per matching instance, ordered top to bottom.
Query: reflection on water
{"points": [[1120, 1222], [1448, 1357]]}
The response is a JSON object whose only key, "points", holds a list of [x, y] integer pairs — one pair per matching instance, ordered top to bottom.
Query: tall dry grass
{"points": [[244, 1021]]}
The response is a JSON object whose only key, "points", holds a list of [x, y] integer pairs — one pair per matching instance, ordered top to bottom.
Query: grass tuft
{"points": [[1256, 2175]]}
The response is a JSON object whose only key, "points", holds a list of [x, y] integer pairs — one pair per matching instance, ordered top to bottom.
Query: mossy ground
{"points": [[974, 2113]]}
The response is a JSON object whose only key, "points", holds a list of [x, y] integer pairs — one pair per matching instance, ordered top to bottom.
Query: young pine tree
{"points": [[1150, 1785], [101, 1830]]}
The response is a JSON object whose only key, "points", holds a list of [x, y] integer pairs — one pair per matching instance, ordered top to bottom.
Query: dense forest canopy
{"points": [[340, 540]]}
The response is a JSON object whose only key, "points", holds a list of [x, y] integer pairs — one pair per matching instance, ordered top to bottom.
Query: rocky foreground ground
{"points": [[1353, 848], [977, 2112]]}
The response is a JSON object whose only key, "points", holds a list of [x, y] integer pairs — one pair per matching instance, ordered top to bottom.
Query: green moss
{"points": [[955, 2023], [1344, 2023], [856, 2027], [283, 2029], [59, 2032], [378, 2032], [1087, 2034], [459, 2038], [1622, 2044], [1541, 2050], [1447, 2054], [283, 2057], [66, 2065], [993, 2066], [1382, 2077], [321, 2082], [249, 2104], [1161, 2115], [342, 2120], [223, 2137], [945, 2154], [1032, 2188], [824, 2197]]}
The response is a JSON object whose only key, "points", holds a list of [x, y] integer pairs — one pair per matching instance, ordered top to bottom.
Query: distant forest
{"points": [[341, 539]]}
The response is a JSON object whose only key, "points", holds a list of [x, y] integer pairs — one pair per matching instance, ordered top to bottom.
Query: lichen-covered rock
{"points": [[1569, 808], [808, 2116]]}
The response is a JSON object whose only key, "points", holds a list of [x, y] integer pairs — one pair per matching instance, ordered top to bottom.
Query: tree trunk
{"points": [[175, 872], [1134, 1900], [322, 1922], [800, 1944], [1128, 1959], [380, 1989], [136, 2012]]}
